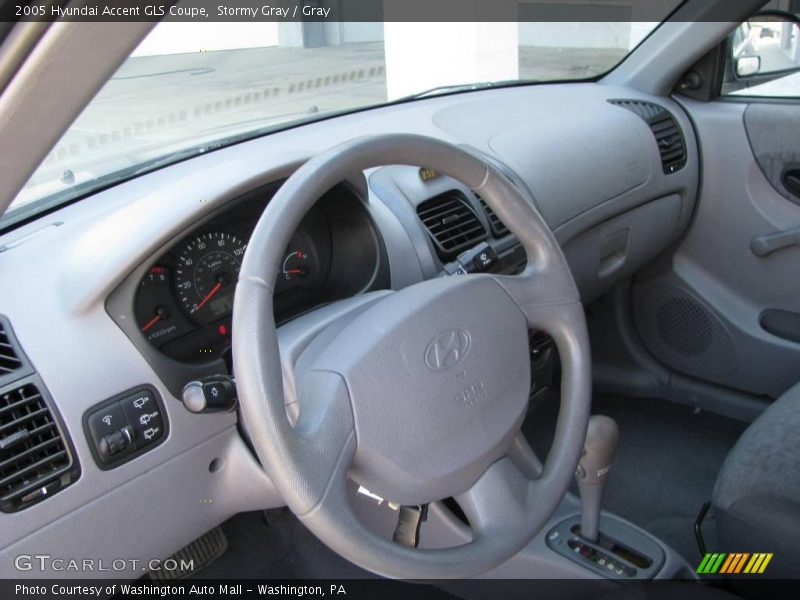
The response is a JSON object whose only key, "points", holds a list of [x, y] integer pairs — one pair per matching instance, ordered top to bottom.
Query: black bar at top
{"points": [[377, 10]]}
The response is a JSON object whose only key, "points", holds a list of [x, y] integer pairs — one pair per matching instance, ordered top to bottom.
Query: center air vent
{"points": [[668, 134], [452, 224], [499, 228], [35, 461]]}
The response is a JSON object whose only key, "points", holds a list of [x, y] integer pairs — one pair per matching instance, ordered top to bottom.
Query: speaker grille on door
{"points": [[684, 326], [684, 333]]}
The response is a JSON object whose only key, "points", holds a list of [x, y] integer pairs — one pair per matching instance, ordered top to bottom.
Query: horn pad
{"points": [[438, 376]]}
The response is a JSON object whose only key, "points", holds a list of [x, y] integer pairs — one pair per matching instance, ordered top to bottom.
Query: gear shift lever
{"points": [[592, 472]]}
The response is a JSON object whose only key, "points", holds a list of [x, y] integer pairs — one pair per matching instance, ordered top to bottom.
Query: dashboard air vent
{"points": [[668, 134], [452, 224], [499, 228], [9, 358], [35, 461]]}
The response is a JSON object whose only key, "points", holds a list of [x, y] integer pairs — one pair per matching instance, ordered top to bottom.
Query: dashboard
{"points": [[135, 303]]}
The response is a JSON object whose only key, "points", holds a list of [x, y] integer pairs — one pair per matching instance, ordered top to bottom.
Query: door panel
{"points": [[774, 134], [700, 312]]}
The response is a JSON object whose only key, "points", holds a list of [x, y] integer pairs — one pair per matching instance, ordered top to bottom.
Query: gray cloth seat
{"points": [[757, 494]]}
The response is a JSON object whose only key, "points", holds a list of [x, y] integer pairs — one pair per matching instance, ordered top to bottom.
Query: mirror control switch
{"points": [[125, 426], [116, 442]]}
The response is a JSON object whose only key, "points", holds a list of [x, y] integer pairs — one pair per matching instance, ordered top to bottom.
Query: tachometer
{"points": [[206, 275]]}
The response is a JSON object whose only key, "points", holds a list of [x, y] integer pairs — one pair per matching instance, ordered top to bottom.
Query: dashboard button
{"points": [[484, 258], [144, 415], [106, 421], [125, 426], [105, 428], [117, 442]]}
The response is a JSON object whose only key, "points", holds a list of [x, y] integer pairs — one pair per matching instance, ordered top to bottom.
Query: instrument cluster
{"points": [[184, 302]]}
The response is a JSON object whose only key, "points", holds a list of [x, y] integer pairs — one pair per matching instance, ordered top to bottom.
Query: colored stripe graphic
{"points": [[729, 562], [703, 563], [711, 563], [717, 563], [734, 563], [737, 563], [754, 564], [740, 566], [762, 567]]}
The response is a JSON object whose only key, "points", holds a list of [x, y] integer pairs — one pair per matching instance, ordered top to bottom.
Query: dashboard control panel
{"points": [[125, 426]]}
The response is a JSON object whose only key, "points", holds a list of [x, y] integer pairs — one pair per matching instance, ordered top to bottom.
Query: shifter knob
{"points": [[592, 472]]}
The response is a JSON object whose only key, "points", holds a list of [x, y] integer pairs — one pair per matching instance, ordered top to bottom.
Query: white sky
{"points": [[179, 38]]}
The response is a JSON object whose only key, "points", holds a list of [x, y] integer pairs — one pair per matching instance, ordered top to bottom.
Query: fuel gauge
{"points": [[155, 308]]}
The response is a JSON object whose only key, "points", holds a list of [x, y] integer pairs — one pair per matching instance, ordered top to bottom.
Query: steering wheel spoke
{"points": [[324, 435], [524, 457], [499, 502]]}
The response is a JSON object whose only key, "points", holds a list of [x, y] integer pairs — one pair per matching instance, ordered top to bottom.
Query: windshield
{"points": [[191, 87]]}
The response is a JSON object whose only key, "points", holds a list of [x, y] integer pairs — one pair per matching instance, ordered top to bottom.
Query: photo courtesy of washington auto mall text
{"points": [[139, 590]]}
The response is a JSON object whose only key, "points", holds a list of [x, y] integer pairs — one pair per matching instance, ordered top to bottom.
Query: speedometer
{"points": [[205, 277]]}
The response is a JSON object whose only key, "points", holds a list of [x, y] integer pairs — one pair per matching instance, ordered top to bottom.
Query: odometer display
{"points": [[205, 277]]}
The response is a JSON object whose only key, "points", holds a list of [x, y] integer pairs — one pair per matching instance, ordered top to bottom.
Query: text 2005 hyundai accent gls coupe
{"points": [[338, 298]]}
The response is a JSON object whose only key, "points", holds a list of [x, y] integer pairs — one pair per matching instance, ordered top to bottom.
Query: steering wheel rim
{"points": [[309, 461]]}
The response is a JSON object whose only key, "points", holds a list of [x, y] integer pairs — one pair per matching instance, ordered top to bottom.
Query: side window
{"points": [[763, 57]]}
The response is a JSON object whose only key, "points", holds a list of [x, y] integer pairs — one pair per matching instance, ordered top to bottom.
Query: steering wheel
{"points": [[418, 394]]}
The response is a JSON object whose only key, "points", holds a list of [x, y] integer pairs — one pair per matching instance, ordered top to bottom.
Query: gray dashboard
{"points": [[593, 169]]}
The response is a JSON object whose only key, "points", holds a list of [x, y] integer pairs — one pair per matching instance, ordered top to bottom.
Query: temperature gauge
{"points": [[296, 265]]}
